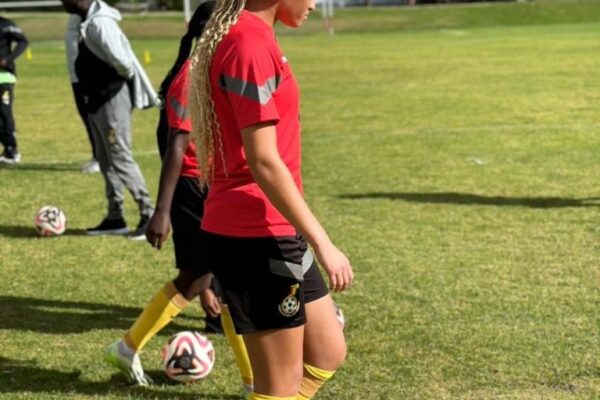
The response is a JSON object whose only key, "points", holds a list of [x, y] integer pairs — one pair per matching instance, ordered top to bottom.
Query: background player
{"points": [[12, 44], [180, 204]]}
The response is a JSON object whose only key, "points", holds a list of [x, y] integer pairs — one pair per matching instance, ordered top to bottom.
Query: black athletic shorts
{"points": [[187, 209], [266, 281]]}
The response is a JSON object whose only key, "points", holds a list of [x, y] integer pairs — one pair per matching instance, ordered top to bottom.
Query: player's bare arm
{"points": [[274, 178], [158, 228]]}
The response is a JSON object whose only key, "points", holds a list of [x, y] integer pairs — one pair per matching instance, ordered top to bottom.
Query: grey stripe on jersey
{"points": [[252, 91], [181, 110]]}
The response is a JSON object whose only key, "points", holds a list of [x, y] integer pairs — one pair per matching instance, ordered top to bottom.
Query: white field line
{"points": [[29, 4], [398, 131], [77, 157]]}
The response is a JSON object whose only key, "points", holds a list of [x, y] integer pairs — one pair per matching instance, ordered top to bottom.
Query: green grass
{"points": [[51, 26], [458, 168]]}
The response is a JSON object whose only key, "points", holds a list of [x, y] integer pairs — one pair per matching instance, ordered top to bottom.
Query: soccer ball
{"points": [[50, 221], [188, 356]]}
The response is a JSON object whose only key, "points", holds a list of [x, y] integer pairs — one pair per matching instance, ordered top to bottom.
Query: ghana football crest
{"points": [[290, 305]]}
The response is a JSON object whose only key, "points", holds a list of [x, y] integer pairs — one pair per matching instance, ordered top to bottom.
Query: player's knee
{"points": [[187, 285], [333, 355], [338, 355], [296, 377], [285, 380]]}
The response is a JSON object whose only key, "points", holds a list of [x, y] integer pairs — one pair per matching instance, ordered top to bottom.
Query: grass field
{"points": [[457, 167]]}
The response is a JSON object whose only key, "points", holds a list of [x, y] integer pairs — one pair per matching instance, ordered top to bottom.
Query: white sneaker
{"points": [[10, 159], [90, 167], [130, 364]]}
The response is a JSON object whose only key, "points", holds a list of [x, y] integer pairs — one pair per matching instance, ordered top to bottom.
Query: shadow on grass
{"points": [[59, 167], [474, 199], [17, 231], [63, 317], [26, 376]]}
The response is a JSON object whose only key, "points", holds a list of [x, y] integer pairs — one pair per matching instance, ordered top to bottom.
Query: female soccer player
{"points": [[245, 118], [180, 204]]}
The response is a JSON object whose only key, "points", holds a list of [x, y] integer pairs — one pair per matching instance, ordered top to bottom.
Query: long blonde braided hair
{"points": [[205, 125]]}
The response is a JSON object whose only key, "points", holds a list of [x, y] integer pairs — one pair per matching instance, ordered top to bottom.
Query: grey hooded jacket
{"points": [[102, 35], [71, 40]]}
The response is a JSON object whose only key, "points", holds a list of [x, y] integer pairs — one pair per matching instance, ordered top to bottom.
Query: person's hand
{"points": [[3, 62], [158, 229], [336, 265], [210, 303]]}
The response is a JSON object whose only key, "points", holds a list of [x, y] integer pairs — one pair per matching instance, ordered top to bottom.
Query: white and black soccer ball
{"points": [[50, 221], [188, 356]]}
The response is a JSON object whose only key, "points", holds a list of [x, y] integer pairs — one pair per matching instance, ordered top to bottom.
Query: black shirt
{"points": [[9, 35], [99, 81]]}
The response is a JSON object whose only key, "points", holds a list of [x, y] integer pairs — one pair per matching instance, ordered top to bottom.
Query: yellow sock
{"points": [[161, 310], [237, 345], [312, 381], [256, 396]]}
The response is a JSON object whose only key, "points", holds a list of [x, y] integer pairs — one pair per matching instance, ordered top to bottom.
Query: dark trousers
{"points": [[80, 103], [7, 120]]}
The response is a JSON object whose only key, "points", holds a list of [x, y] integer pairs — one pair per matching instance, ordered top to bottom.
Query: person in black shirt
{"points": [[12, 44]]}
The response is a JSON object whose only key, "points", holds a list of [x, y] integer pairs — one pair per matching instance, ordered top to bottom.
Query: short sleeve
{"points": [[250, 78], [178, 115]]}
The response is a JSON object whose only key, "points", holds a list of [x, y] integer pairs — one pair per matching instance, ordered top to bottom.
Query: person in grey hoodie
{"points": [[112, 82]]}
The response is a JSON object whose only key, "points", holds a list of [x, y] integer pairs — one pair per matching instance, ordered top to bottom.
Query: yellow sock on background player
{"points": [[166, 304], [239, 348], [124, 354]]}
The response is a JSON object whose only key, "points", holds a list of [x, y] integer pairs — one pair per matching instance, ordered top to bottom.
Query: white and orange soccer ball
{"points": [[50, 221], [188, 356]]}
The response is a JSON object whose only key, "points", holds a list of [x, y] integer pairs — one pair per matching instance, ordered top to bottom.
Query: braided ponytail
{"points": [[205, 125]]}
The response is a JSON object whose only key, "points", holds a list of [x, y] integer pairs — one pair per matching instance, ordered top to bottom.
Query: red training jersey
{"points": [[251, 82], [178, 117]]}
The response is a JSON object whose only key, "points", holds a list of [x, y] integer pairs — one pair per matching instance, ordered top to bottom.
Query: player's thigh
{"points": [[187, 209], [186, 215], [261, 280], [324, 342], [277, 359]]}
